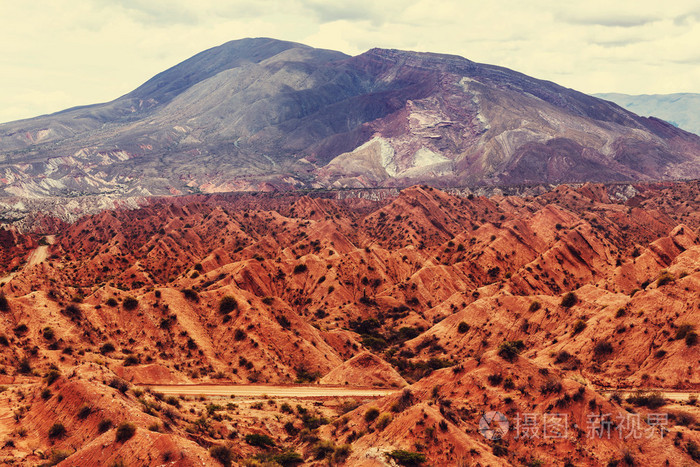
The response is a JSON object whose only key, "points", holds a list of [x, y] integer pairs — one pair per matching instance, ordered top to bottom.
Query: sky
{"points": [[58, 54]]}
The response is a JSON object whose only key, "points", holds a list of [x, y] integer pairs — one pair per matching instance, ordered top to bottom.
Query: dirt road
{"points": [[38, 255], [248, 391], [675, 396]]}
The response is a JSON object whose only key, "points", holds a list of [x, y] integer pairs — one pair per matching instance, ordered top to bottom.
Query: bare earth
{"points": [[272, 391]]}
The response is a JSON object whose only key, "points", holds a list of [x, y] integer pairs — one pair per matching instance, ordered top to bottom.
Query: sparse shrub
{"points": [[300, 268], [665, 278], [191, 295], [569, 299], [111, 302], [4, 303], [130, 303], [227, 305], [534, 306], [72, 311], [620, 313], [579, 326], [463, 327], [21, 329], [48, 333], [239, 334], [691, 338], [107, 348], [602, 348], [508, 350], [131, 360], [24, 366], [51, 376], [495, 379], [119, 384], [551, 386], [46, 394], [652, 400], [84, 411], [371, 414], [383, 421], [104, 425], [57, 430], [124, 432], [258, 440], [323, 449], [693, 450], [222, 454], [56, 456], [288, 458], [407, 458]]}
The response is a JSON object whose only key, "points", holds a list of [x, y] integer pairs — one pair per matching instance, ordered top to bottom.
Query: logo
{"points": [[493, 425]]}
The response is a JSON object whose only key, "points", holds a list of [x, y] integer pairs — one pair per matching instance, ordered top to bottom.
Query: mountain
{"points": [[680, 109], [262, 114], [458, 304]]}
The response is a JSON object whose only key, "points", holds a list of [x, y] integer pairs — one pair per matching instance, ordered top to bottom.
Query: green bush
{"points": [[300, 268], [111, 302], [227, 305], [534, 306], [463, 327], [691, 338], [124, 432], [258, 440], [222, 454], [288, 458], [407, 458]]}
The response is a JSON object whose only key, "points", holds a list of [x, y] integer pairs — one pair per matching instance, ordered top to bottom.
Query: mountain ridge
{"points": [[261, 114]]}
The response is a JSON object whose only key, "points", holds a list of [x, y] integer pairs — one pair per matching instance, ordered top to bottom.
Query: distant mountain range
{"points": [[680, 109], [263, 114]]}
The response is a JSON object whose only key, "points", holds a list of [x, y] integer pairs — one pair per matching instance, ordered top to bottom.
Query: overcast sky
{"points": [[61, 53]]}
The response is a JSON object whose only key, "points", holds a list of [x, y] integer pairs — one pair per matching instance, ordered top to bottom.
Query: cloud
{"points": [[95, 50]]}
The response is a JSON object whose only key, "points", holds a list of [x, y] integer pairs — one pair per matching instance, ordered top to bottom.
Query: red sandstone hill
{"points": [[509, 303]]}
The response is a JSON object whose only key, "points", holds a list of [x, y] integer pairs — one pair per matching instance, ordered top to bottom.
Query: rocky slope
{"points": [[261, 114], [522, 304]]}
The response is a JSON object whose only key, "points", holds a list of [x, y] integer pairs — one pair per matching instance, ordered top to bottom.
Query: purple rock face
{"points": [[261, 114]]}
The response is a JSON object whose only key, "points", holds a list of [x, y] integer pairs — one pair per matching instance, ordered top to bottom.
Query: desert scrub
{"points": [[665, 278], [569, 299], [130, 303], [4, 304], [227, 305], [579, 326], [508, 350], [57, 430], [124, 432], [222, 454], [407, 458]]}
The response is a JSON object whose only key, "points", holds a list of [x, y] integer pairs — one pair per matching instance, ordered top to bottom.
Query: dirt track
{"points": [[35, 257], [272, 391]]}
